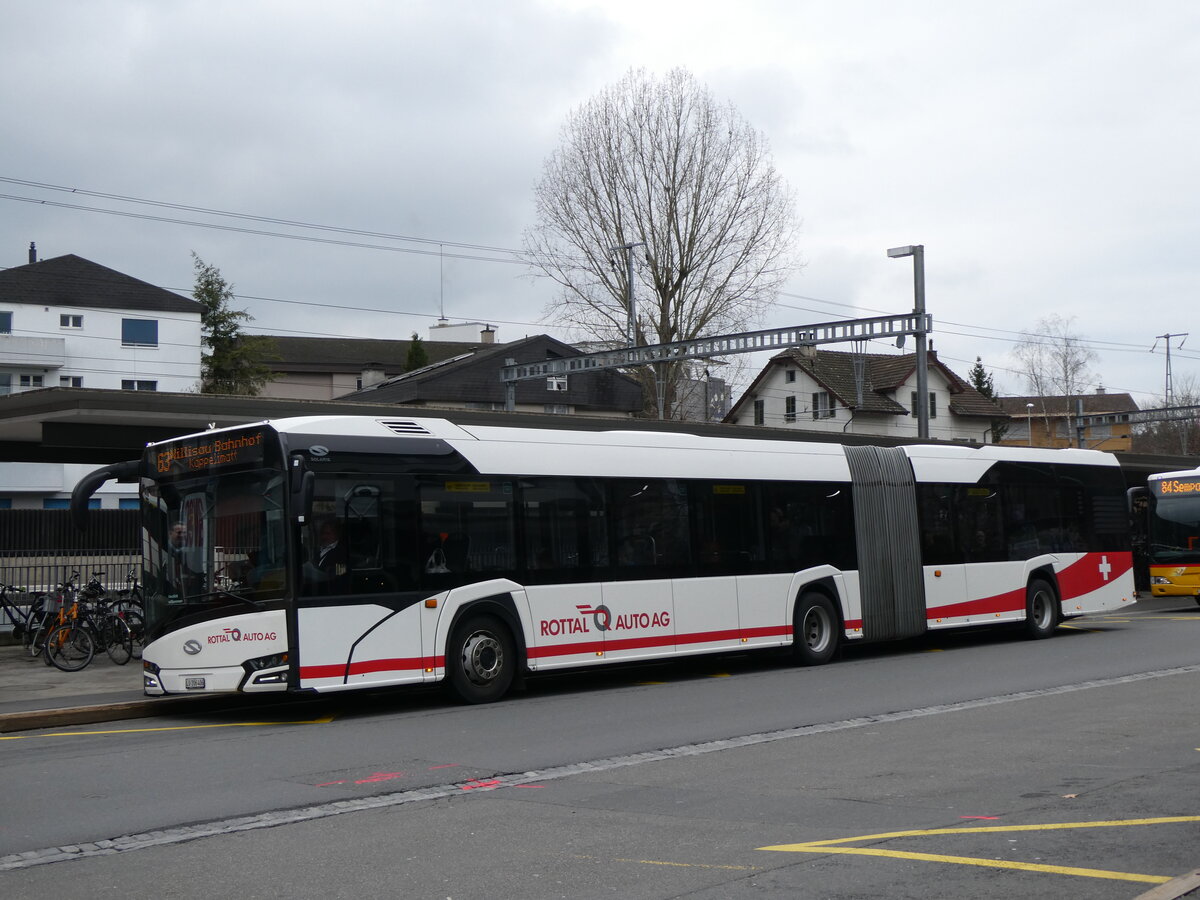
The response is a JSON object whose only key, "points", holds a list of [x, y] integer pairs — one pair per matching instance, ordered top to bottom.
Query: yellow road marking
{"points": [[324, 720], [830, 846]]}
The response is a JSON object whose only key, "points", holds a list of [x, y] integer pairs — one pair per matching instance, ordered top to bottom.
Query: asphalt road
{"points": [[661, 781]]}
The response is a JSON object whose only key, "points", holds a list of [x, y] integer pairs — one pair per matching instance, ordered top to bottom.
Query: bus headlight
{"points": [[1158, 579], [266, 662]]}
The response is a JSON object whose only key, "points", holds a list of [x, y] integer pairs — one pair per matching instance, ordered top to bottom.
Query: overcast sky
{"points": [[1045, 153]]}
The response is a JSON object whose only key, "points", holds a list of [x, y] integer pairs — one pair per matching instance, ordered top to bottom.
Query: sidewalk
{"points": [[35, 695]]}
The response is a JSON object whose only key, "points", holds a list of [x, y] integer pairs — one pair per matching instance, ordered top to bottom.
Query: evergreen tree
{"points": [[418, 356], [230, 362], [981, 379]]}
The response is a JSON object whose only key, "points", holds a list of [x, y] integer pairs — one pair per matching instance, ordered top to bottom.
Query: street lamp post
{"points": [[917, 252], [1029, 411]]}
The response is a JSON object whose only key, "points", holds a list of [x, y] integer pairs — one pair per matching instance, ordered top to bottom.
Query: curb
{"points": [[30, 720], [1185, 885]]}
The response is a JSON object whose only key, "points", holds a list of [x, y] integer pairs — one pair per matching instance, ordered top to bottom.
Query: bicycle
{"points": [[51, 615], [18, 618], [92, 625]]}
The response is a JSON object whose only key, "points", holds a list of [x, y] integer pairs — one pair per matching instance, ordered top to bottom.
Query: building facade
{"points": [[70, 322], [324, 368], [864, 394], [1051, 421]]}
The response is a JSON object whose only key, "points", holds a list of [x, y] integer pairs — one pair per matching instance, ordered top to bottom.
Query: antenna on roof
{"points": [[441, 286]]}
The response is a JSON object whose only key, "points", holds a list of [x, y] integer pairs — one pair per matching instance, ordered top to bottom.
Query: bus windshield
{"points": [[1175, 520], [214, 544]]}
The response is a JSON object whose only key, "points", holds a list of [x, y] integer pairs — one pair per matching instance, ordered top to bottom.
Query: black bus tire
{"points": [[1041, 609], [815, 639], [481, 659]]}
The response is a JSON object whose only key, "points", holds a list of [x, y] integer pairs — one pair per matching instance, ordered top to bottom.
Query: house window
{"points": [[69, 321], [5, 323], [139, 332], [789, 375], [31, 381], [70, 381], [5, 383], [556, 383], [138, 384], [932, 404], [822, 405], [556, 409], [789, 409], [759, 412], [5, 502], [128, 503]]}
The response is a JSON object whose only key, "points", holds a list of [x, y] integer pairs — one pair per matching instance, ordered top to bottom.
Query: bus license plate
{"points": [[194, 684]]}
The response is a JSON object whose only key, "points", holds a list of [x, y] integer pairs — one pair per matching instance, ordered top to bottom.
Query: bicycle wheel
{"points": [[34, 621], [137, 629], [37, 637], [118, 640], [69, 647]]}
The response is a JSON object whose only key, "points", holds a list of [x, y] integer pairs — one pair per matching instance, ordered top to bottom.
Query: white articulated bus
{"points": [[332, 553]]}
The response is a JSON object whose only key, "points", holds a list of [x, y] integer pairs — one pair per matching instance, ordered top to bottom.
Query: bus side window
{"points": [[650, 522], [564, 525]]}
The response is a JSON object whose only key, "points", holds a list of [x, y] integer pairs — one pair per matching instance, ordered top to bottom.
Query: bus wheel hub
{"points": [[483, 657]]}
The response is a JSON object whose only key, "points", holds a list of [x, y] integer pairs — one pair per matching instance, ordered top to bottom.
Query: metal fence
{"points": [[40, 549], [44, 573]]}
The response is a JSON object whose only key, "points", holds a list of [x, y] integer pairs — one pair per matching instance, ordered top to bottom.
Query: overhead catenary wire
{"points": [[507, 256]]}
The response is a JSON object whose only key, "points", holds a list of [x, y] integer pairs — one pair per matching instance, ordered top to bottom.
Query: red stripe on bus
{"points": [[1092, 572], [1089, 573], [1009, 601], [665, 640], [368, 666]]}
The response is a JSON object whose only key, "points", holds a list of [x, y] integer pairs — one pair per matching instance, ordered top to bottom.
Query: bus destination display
{"points": [[200, 454], [1176, 487]]}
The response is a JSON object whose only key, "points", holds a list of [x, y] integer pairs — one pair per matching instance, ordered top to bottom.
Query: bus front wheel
{"points": [[1041, 609], [815, 637], [480, 659]]}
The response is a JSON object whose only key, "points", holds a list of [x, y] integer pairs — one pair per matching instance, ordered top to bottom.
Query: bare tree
{"points": [[661, 164], [1055, 362], [1179, 436]]}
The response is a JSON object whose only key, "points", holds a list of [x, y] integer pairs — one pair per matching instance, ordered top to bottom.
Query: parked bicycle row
{"points": [[69, 625]]}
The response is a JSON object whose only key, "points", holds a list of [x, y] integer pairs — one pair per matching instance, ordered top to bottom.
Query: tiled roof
{"points": [[74, 281], [338, 354], [473, 374], [884, 374], [1093, 404]]}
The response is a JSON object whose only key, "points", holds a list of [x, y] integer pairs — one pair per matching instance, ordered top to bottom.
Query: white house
{"points": [[69, 322], [869, 393]]}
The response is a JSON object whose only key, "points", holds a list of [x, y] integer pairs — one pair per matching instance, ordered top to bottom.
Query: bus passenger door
{"points": [[359, 610]]}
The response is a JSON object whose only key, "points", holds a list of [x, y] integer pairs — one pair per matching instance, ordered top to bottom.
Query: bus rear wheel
{"points": [[1041, 609], [815, 637], [481, 659]]}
